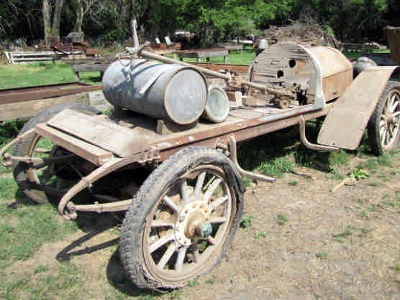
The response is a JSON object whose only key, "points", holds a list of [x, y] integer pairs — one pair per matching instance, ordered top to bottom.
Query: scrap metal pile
{"points": [[308, 32]]}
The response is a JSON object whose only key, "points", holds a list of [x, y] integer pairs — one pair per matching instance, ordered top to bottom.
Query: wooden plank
{"points": [[89, 67], [43, 92], [26, 109], [100, 132], [87, 151]]}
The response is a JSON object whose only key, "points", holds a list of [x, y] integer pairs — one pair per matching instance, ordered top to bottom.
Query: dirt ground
{"points": [[304, 242]]}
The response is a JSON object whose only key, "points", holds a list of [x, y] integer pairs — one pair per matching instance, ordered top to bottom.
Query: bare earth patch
{"points": [[304, 242]]}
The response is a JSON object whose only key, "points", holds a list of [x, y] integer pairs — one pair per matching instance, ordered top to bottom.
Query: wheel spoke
{"points": [[394, 105], [396, 116], [383, 131], [199, 184], [211, 189], [184, 192], [218, 202], [171, 204], [217, 220], [162, 223], [211, 240], [161, 241], [167, 256], [196, 256], [180, 259]]}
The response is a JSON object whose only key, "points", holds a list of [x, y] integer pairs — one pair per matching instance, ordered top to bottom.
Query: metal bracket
{"points": [[312, 146]]}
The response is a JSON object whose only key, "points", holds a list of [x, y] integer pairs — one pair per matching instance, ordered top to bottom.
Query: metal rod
{"points": [[164, 59], [312, 146], [233, 156], [5, 158]]}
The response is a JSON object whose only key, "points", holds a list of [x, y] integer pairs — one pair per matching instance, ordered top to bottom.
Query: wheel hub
{"points": [[389, 117], [193, 221]]}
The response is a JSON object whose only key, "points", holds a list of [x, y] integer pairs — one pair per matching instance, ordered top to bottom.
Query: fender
{"points": [[346, 121]]}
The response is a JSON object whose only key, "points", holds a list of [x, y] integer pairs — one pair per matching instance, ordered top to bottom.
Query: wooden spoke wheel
{"points": [[383, 127], [59, 170], [182, 219]]}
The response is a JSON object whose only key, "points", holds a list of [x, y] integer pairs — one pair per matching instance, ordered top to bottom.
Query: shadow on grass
{"points": [[283, 144]]}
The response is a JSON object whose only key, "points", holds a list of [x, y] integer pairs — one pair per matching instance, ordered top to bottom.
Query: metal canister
{"points": [[167, 91], [217, 106]]}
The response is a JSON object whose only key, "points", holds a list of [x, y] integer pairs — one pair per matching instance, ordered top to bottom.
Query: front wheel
{"points": [[383, 127], [182, 220]]}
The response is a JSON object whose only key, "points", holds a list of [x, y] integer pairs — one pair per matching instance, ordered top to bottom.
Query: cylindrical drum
{"points": [[362, 63], [168, 91], [217, 106]]}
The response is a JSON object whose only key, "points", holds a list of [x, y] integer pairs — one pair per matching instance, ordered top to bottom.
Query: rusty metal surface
{"points": [[393, 38], [199, 53], [239, 69], [43, 92], [345, 124]]}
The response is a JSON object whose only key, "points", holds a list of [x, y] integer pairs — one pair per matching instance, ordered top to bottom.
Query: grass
{"points": [[244, 57], [43, 73], [47, 73], [281, 219], [247, 221], [24, 228], [260, 235]]}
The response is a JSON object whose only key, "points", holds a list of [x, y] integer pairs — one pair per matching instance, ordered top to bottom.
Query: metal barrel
{"points": [[167, 91], [217, 106]]}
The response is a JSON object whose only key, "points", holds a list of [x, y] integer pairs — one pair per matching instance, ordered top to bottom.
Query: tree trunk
{"points": [[46, 12], [79, 17], [55, 31]]}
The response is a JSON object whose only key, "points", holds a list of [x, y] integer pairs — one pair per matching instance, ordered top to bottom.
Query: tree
{"points": [[51, 19]]}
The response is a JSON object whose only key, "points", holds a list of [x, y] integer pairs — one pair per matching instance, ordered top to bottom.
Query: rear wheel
{"points": [[383, 127], [58, 171], [182, 220]]}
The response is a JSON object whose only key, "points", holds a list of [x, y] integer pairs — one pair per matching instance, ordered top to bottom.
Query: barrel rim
{"points": [[166, 104], [207, 113]]}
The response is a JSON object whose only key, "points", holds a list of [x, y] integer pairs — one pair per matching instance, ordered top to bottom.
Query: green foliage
{"points": [[211, 20], [15, 76], [9, 130], [277, 166], [358, 174], [281, 219], [247, 221], [26, 228], [260, 235], [321, 255]]}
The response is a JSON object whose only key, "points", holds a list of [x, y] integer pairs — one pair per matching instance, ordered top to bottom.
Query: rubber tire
{"points": [[374, 139], [21, 148], [131, 250]]}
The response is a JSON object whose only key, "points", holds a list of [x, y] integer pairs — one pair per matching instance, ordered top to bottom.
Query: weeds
{"points": [[339, 158], [277, 166], [358, 174], [281, 219], [247, 221], [260, 234], [340, 236], [321, 255], [211, 280]]}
